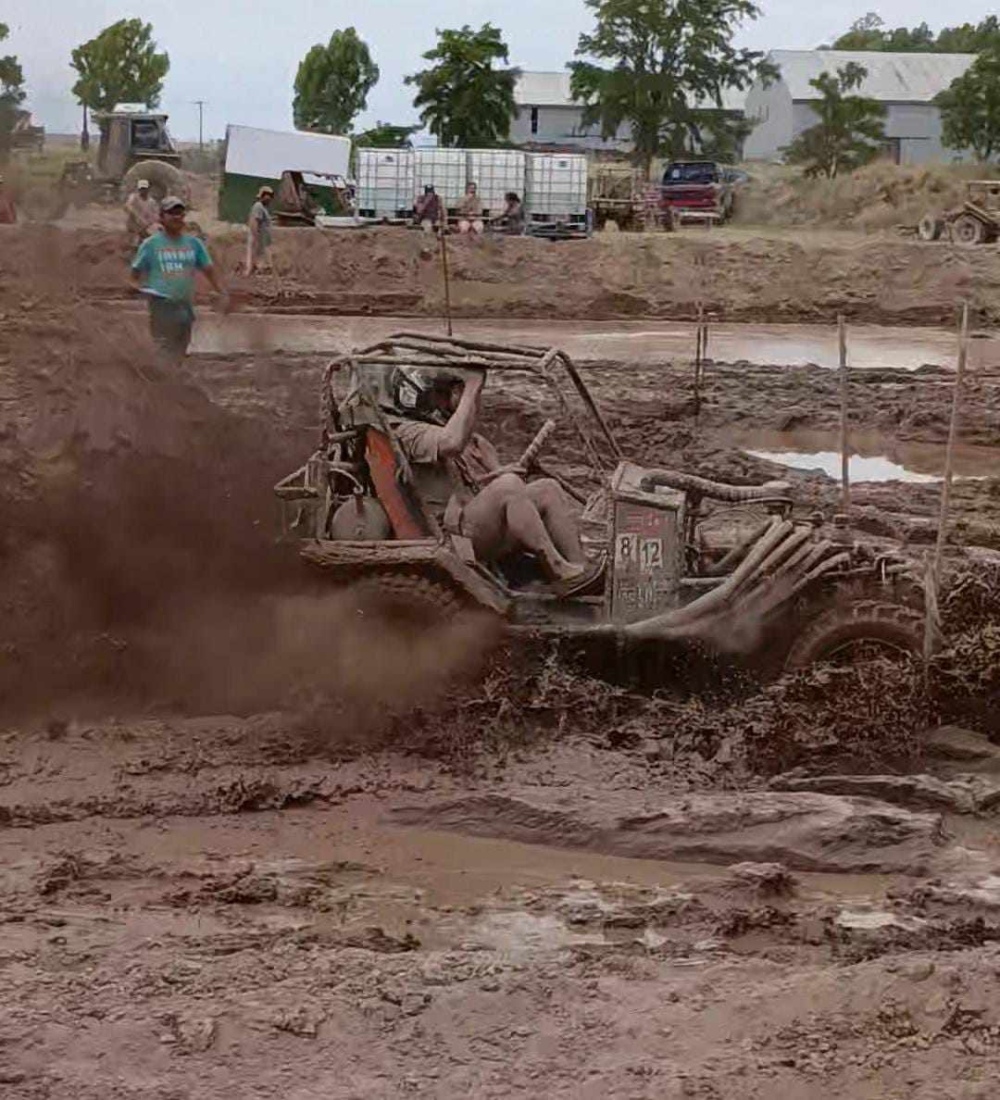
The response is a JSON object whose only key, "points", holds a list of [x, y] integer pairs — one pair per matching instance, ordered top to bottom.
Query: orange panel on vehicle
{"points": [[405, 517]]}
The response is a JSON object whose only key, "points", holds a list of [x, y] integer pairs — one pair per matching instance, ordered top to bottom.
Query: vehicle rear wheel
{"points": [[164, 179], [930, 228], [968, 230], [406, 601], [423, 625], [858, 631]]}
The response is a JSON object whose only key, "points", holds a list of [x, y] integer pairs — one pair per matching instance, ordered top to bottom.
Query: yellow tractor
{"points": [[134, 145], [976, 221]]}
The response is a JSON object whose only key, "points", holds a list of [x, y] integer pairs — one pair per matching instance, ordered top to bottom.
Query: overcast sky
{"points": [[240, 56]]}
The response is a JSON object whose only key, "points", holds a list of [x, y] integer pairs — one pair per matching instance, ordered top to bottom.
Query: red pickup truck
{"points": [[697, 188]]}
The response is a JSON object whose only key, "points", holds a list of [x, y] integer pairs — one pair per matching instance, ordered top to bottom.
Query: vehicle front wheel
{"points": [[930, 228], [858, 631]]}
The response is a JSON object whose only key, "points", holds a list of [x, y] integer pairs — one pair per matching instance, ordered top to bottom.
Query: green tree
{"points": [[866, 33], [870, 33], [971, 37], [670, 61], [120, 65], [332, 84], [11, 94], [463, 100], [970, 108], [850, 130], [384, 135]]}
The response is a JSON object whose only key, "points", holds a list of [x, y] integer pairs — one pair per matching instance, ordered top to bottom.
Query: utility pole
{"points": [[200, 104]]}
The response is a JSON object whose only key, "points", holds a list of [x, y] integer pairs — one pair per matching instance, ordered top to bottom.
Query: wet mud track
{"points": [[566, 892], [316, 929]]}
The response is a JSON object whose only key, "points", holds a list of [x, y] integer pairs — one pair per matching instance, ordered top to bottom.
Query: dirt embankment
{"points": [[880, 196], [735, 274]]}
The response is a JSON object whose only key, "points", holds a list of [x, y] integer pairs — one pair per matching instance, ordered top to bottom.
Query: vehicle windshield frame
{"points": [[552, 366]]}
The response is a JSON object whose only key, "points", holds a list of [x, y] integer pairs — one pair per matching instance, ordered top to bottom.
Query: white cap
{"points": [[142, 185]]}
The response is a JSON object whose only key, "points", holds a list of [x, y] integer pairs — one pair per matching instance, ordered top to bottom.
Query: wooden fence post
{"points": [[845, 447], [932, 583]]}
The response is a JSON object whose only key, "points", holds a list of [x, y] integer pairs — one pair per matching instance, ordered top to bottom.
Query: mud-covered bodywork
{"points": [[684, 556]]}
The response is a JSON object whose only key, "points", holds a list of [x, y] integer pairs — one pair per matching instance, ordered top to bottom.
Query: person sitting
{"points": [[428, 210], [470, 210], [511, 221], [463, 484]]}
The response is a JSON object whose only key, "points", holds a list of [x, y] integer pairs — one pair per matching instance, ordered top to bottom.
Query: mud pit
{"points": [[233, 862]]}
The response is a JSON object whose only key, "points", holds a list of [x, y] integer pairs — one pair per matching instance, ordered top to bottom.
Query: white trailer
{"points": [[254, 157]]}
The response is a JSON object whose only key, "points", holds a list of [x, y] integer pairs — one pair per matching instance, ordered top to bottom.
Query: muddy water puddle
{"points": [[871, 346], [875, 457], [343, 873]]}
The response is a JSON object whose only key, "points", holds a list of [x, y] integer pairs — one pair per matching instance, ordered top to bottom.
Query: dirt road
{"points": [[252, 845]]}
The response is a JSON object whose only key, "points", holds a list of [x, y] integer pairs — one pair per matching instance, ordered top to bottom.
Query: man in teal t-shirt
{"points": [[164, 270]]}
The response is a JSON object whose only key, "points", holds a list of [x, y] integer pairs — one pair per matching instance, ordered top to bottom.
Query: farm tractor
{"points": [[134, 145], [976, 221], [685, 558]]}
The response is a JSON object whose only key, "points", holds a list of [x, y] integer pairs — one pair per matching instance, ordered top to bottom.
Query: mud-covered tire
{"points": [[164, 179], [930, 228], [968, 230], [406, 601], [893, 628]]}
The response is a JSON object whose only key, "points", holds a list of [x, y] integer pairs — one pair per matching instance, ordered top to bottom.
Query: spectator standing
{"points": [[259, 230], [164, 270]]}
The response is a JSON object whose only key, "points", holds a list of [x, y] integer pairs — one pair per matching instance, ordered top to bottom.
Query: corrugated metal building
{"points": [[905, 83], [547, 115]]}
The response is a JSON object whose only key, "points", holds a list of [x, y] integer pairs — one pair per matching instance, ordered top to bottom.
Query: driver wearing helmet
{"points": [[461, 480]]}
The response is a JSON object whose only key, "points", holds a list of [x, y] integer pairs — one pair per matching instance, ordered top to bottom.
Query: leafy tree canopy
{"points": [[870, 33], [120, 65], [667, 65], [333, 82], [11, 93], [462, 98], [970, 108], [850, 130], [385, 135]]}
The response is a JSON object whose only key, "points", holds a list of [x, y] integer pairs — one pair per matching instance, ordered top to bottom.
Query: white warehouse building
{"points": [[904, 83], [547, 115]]}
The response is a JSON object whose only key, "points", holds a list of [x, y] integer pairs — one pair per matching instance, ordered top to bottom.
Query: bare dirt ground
{"points": [[739, 273], [252, 846]]}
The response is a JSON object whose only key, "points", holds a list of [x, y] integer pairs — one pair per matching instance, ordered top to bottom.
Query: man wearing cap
{"points": [[428, 210], [8, 211], [142, 212], [259, 229], [164, 270]]}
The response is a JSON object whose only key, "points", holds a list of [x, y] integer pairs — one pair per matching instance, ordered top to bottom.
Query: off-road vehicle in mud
{"points": [[976, 221], [686, 557]]}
